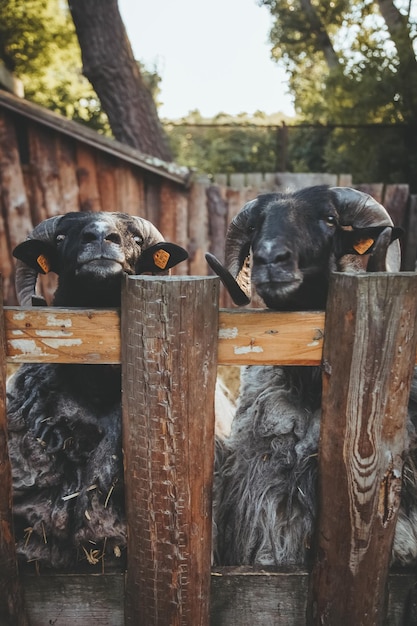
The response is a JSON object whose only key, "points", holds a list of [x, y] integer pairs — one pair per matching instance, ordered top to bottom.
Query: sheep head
{"points": [[285, 245], [91, 252]]}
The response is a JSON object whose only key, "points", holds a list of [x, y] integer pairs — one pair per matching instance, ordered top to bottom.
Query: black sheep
{"points": [[285, 246], [65, 420]]}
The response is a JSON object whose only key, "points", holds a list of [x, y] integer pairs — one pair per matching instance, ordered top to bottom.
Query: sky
{"points": [[212, 55]]}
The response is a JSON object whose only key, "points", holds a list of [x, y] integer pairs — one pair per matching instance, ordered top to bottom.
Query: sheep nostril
{"points": [[88, 237], [113, 238], [281, 257], [272, 259]]}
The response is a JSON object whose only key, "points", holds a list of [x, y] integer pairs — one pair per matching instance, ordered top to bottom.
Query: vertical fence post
{"points": [[169, 355], [368, 358], [12, 609]]}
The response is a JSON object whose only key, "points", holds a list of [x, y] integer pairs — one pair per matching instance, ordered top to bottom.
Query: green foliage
{"points": [[351, 62], [226, 144]]}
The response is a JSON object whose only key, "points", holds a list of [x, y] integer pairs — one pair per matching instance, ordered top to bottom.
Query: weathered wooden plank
{"points": [[44, 164], [220, 179], [254, 179], [106, 180], [237, 180], [292, 180], [344, 180], [68, 183], [376, 190], [130, 193], [89, 195], [13, 196], [152, 199], [235, 201], [395, 201], [217, 216], [15, 219], [173, 219], [198, 227], [410, 239], [62, 335], [246, 337], [266, 337], [370, 343], [168, 442], [239, 596], [247, 597], [75, 600], [12, 608]]}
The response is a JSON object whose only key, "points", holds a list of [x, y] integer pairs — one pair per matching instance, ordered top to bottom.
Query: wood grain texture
{"points": [[198, 227], [54, 335], [245, 337], [264, 337], [169, 345], [369, 351], [239, 597], [75, 600], [12, 608]]}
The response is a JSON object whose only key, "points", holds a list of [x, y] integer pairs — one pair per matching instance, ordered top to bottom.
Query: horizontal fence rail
{"points": [[55, 335], [251, 337]]}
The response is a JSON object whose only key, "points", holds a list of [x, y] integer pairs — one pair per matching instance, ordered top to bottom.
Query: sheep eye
{"points": [[330, 219], [138, 240]]}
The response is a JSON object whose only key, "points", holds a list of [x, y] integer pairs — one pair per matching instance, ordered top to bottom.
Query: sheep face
{"points": [[291, 244], [285, 245], [92, 251]]}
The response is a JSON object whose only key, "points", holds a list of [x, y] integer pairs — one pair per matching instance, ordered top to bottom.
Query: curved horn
{"points": [[360, 210], [151, 234], [236, 275], [25, 276]]}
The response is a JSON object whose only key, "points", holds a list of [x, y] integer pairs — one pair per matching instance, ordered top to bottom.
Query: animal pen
{"points": [[169, 337]]}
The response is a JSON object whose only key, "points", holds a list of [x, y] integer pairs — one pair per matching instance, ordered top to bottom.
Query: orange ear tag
{"points": [[363, 245], [161, 258], [43, 263]]}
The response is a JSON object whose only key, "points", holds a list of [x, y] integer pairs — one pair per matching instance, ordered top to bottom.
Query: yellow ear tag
{"points": [[363, 246], [161, 258], [43, 263]]}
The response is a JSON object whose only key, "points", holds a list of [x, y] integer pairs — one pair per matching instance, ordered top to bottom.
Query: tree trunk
{"points": [[399, 30], [321, 36], [109, 65]]}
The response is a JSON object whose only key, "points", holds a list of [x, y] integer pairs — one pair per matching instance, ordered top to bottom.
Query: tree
{"points": [[38, 42], [353, 62], [109, 65]]}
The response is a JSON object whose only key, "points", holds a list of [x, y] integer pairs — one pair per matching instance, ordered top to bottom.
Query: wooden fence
{"points": [[171, 333]]}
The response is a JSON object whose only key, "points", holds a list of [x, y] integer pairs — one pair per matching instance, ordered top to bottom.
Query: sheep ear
{"points": [[369, 240], [38, 255], [160, 258], [238, 295]]}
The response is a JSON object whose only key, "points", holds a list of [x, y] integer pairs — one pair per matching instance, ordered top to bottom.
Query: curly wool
{"points": [[67, 464]]}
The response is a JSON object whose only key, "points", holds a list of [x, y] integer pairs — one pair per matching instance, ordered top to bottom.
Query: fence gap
{"points": [[169, 332], [370, 343], [12, 608]]}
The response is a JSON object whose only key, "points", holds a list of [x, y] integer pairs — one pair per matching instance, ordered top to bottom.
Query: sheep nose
{"points": [[100, 235], [270, 254]]}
